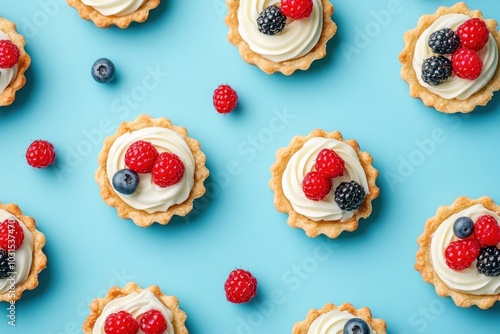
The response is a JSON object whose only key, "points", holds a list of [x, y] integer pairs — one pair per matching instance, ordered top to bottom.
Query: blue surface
{"points": [[89, 248]]}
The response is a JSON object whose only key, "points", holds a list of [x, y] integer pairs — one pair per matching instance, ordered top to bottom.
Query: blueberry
{"points": [[103, 70], [125, 181], [463, 227], [356, 326]]}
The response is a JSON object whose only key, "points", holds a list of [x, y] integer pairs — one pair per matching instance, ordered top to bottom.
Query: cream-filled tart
{"points": [[121, 13], [295, 45], [12, 75], [459, 78], [169, 184], [318, 201], [459, 252], [22, 258], [137, 307], [333, 319]]}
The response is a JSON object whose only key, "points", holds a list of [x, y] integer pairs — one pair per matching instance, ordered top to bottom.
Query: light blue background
{"points": [[89, 248]]}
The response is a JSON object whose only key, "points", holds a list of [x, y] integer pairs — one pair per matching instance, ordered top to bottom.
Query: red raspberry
{"points": [[297, 9], [473, 34], [9, 54], [466, 64], [225, 99], [40, 154], [140, 156], [329, 163], [167, 170], [316, 186], [487, 231], [11, 235], [461, 253], [240, 286], [153, 322], [121, 323]]}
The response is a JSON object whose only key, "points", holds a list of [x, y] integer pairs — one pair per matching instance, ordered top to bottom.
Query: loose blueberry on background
{"points": [[103, 70], [125, 181], [463, 227], [356, 326]]}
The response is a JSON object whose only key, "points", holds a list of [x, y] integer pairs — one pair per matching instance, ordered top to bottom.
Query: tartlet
{"points": [[360, 165], [151, 204]]}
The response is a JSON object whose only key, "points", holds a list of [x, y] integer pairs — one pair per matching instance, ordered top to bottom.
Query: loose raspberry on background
{"points": [[297, 9], [473, 34], [9, 54], [466, 64], [225, 99], [40, 154], [140, 156], [329, 163], [167, 170], [316, 186], [487, 231], [11, 235], [461, 254], [240, 286], [153, 322], [121, 323]]}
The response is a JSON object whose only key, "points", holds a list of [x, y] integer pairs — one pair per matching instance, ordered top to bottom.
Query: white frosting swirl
{"points": [[114, 7], [296, 40], [6, 74], [455, 87], [303, 162], [149, 196], [23, 255], [469, 280], [135, 304], [332, 322]]}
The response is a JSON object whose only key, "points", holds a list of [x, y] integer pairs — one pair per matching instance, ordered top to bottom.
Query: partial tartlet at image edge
{"points": [[108, 13], [284, 64], [18, 80], [450, 103], [357, 162], [151, 203], [25, 277], [467, 287], [136, 301], [335, 317]]}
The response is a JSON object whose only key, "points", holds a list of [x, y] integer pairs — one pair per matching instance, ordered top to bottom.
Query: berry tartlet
{"points": [[120, 13], [280, 36], [450, 60], [14, 61], [150, 170], [324, 183], [459, 252], [21, 255], [137, 310], [340, 319]]}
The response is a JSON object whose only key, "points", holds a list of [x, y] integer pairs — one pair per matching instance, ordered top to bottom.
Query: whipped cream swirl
{"points": [[114, 7], [296, 40], [6, 74], [455, 87], [303, 161], [149, 196], [23, 255], [469, 280], [135, 304], [332, 322]]}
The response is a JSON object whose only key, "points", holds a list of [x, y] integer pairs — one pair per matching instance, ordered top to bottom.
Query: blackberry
{"points": [[271, 21], [444, 41], [436, 70], [349, 195], [488, 261], [5, 267]]}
